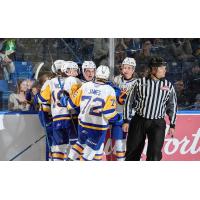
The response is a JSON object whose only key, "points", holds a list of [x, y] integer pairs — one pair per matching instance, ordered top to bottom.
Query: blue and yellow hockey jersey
{"points": [[54, 90], [97, 102]]}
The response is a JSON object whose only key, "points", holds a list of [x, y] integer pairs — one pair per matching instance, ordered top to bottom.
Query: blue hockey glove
{"points": [[63, 100]]}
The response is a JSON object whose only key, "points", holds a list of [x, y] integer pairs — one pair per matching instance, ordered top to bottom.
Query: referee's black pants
{"points": [[139, 128]]}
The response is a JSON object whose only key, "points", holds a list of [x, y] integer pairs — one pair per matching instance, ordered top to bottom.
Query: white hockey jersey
{"points": [[125, 86], [54, 90], [97, 103]]}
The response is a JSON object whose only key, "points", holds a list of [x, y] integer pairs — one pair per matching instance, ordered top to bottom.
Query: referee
{"points": [[149, 100]]}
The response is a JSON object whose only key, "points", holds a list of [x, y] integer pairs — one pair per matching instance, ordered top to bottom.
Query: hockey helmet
{"points": [[129, 61], [57, 65], [69, 65], [88, 65], [103, 72]]}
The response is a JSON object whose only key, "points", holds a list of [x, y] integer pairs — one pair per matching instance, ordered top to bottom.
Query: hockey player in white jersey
{"points": [[70, 70], [88, 71], [88, 74], [124, 83], [97, 102], [45, 109], [63, 129]]}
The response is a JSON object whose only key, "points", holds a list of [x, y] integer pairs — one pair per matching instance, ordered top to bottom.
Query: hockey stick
{"points": [[38, 70]]}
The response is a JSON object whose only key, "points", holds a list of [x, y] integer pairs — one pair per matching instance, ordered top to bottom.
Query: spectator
{"points": [[158, 42], [130, 45], [87, 46], [196, 47], [181, 49], [101, 51], [120, 54], [145, 54], [6, 65], [142, 71], [194, 82], [182, 97], [32, 98], [17, 101], [196, 105]]}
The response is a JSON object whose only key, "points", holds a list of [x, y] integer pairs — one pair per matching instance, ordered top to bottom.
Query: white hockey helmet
{"points": [[129, 61], [57, 65], [69, 65], [88, 65], [103, 72]]}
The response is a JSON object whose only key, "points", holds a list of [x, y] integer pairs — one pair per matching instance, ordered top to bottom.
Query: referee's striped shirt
{"points": [[151, 99]]}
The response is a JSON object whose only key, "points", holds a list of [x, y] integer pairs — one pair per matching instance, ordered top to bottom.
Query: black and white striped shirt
{"points": [[151, 99]]}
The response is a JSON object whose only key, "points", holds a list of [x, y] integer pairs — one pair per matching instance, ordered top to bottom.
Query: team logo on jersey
{"points": [[164, 88]]}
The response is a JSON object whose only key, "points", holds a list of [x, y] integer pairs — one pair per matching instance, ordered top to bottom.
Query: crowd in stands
{"points": [[182, 56]]}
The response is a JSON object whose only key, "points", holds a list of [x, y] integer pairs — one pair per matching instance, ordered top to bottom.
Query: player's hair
{"points": [[157, 62], [101, 80]]}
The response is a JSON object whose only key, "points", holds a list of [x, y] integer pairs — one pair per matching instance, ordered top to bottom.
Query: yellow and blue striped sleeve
{"points": [[75, 84], [73, 89], [45, 95], [75, 100], [109, 109]]}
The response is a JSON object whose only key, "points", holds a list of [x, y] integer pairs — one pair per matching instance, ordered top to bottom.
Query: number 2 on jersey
{"points": [[95, 110]]}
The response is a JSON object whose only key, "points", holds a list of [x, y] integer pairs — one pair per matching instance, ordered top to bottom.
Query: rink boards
{"points": [[23, 138]]}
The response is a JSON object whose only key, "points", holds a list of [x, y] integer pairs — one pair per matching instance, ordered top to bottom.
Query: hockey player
{"points": [[70, 70], [88, 71], [88, 74], [124, 83], [97, 102], [45, 107], [62, 126]]}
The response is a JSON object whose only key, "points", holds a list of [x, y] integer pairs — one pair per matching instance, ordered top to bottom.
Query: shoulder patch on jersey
{"points": [[164, 88]]}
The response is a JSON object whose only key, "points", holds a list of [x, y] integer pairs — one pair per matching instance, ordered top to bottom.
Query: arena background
{"points": [[33, 57], [101, 180]]}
